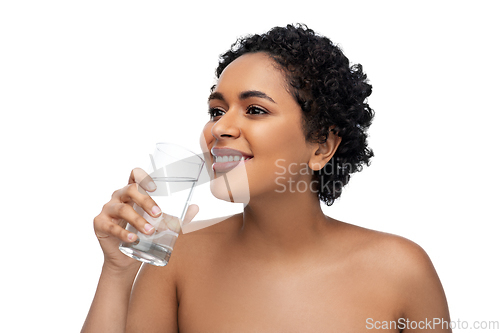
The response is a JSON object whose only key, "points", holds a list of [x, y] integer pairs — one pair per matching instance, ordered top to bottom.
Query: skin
{"points": [[281, 265]]}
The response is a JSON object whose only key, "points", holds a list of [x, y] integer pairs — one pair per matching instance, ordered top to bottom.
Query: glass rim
{"points": [[158, 144]]}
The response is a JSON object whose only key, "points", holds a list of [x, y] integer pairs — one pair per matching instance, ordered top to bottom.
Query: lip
{"points": [[226, 151]]}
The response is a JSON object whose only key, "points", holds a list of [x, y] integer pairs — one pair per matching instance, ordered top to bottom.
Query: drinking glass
{"points": [[175, 171]]}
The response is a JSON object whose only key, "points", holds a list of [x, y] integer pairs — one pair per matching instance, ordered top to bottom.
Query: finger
{"points": [[141, 177], [132, 193], [122, 211], [190, 214], [174, 223], [109, 228]]}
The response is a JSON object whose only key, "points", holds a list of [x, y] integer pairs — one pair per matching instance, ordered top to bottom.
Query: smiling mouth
{"points": [[226, 159], [223, 164]]}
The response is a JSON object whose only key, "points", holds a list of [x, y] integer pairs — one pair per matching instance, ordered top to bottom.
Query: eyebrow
{"points": [[244, 95]]}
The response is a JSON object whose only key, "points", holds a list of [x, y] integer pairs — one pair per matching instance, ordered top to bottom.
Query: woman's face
{"points": [[254, 117]]}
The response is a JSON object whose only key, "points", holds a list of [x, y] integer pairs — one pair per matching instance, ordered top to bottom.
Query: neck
{"points": [[286, 224]]}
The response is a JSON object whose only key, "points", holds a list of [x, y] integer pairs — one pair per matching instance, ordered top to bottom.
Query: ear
{"points": [[323, 152]]}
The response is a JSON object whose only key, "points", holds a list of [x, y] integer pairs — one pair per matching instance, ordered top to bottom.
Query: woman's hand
{"points": [[109, 225], [117, 277]]}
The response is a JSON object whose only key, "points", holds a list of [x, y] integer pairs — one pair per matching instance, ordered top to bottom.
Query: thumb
{"points": [[190, 214]]}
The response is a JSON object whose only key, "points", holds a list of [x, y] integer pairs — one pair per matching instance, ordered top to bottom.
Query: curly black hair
{"points": [[330, 92]]}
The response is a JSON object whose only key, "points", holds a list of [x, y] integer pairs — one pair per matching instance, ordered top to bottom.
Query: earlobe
{"points": [[324, 152]]}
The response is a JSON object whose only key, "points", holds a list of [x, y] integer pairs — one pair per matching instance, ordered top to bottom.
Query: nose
{"points": [[227, 126]]}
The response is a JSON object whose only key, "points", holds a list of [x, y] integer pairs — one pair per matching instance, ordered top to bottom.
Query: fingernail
{"points": [[151, 186], [155, 210], [148, 227], [131, 237]]}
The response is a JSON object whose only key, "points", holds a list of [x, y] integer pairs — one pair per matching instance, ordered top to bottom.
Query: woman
{"points": [[288, 102]]}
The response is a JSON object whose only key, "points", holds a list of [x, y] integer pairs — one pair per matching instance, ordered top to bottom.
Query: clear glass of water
{"points": [[175, 171]]}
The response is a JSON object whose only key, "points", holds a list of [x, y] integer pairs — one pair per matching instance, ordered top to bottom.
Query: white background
{"points": [[87, 88]]}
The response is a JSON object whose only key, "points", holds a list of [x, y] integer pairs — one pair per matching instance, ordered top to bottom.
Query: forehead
{"points": [[252, 71]]}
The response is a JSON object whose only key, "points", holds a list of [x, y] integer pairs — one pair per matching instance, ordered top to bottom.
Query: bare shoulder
{"points": [[393, 252], [397, 267]]}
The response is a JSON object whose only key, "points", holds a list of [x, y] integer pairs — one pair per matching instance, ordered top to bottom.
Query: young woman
{"points": [[290, 104]]}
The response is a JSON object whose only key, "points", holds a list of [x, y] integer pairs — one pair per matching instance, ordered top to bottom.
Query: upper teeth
{"points": [[226, 158]]}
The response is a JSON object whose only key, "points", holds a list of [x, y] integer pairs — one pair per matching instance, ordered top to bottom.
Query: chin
{"points": [[231, 186]]}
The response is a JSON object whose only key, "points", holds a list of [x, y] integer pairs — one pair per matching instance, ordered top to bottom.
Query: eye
{"points": [[256, 110], [215, 112]]}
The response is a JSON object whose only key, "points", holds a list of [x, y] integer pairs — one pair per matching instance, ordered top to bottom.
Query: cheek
{"points": [[207, 131], [206, 138], [285, 140], [206, 143], [283, 156]]}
